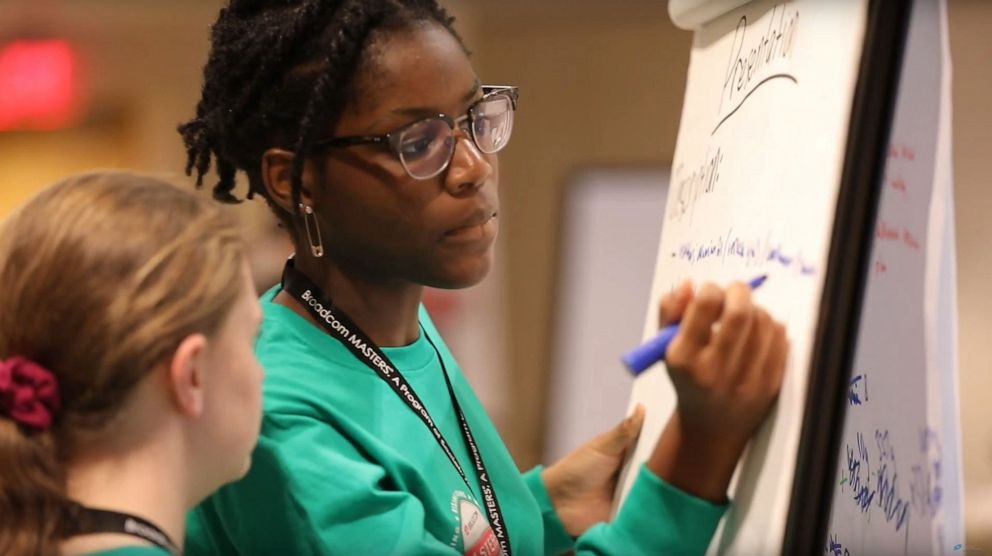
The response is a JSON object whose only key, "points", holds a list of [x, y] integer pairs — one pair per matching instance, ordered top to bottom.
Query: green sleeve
{"points": [[310, 491], [656, 518], [556, 538], [132, 551]]}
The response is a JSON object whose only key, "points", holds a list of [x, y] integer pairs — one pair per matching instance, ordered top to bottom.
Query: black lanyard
{"points": [[342, 328], [81, 520]]}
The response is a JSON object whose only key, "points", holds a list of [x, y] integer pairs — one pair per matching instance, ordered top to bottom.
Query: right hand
{"points": [[726, 364]]}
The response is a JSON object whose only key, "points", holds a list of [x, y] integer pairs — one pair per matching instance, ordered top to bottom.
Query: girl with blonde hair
{"points": [[128, 385]]}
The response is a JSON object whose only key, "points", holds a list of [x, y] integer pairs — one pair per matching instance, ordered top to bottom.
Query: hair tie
{"points": [[29, 393]]}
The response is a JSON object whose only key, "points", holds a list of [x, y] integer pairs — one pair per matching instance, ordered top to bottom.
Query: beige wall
{"points": [[971, 49], [143, 63]]}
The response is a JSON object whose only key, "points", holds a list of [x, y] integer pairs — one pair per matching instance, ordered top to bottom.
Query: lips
{"points": [[480, 226]]}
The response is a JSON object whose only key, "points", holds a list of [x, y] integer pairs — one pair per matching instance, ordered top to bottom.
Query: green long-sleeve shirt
{"points": [[343, 466], [136, 550]]}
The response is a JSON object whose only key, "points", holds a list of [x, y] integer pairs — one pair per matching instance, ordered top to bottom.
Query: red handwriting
{"points": [[902, 151], [898, 184], [886, 232], [910, 241]]}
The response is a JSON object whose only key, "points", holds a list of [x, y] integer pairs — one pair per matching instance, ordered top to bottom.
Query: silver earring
{"points": [[313, 230]]}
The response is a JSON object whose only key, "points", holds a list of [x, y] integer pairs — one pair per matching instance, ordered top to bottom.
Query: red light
{"points": [[38, 85]]}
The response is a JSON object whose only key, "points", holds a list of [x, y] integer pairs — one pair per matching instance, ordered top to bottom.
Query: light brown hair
{"points": [[102, 276]]}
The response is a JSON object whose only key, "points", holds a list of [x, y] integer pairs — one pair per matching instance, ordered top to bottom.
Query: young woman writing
{"points": [[365, 127]]}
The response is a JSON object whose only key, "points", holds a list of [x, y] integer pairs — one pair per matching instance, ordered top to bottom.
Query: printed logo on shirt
{"points": [[476, 536]]}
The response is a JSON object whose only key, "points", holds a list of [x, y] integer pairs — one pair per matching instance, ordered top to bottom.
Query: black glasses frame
{"points": [[392, 139]]}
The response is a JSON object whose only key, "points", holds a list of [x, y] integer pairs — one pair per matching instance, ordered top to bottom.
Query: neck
{"points": [[386, 310], [146, 482]]}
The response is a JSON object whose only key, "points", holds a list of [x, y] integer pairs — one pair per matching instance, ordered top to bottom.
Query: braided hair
{"points": [[279, 71]]}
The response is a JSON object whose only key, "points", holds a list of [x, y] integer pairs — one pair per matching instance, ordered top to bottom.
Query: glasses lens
{"points": [[492, 123], [425, 148]]}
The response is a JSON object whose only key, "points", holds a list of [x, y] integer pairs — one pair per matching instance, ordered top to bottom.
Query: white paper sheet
{"points": [[754, 187]]}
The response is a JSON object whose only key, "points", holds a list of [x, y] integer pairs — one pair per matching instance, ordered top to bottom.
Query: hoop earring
{"points": [[313, 230]]}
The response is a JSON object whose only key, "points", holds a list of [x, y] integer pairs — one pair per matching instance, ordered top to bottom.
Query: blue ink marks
{"points": [[738, 248], [707, 251], [753, 252], [695, 253], [776, 255], [791, 261], [795, 261], [857, 393], [929, 439], [886, 451], [856, 463], [926, 492], [884, 493], [894, 507], [834, 548]]}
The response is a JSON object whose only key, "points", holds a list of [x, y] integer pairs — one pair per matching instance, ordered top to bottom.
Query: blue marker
{"points": [[652, 351]]}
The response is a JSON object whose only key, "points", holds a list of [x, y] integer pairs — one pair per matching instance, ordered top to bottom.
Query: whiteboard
{"points": [[763, 161], [755, 183], [611, 218], [898, 478]]}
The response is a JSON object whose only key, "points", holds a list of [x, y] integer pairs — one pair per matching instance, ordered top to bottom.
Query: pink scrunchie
{"points": [[29, 393]]}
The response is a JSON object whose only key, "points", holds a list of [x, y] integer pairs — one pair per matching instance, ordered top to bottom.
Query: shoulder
{"points": [[306, 371]]}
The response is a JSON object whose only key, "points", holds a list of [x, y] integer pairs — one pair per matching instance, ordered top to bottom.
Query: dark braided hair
{"points": [[279, 72]]}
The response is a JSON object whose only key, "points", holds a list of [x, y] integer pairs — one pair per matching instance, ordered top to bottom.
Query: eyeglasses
{"points": [[425, 147]]}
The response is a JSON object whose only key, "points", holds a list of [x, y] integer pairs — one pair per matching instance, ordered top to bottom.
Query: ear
{"points": [[277, 173], [186, 375]]}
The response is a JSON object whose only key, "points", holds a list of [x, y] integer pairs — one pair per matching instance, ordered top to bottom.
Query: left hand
{"points": [[582, 483]]}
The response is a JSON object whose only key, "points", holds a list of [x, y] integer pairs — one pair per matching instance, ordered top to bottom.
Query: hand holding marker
{"points": [[640, 358]]}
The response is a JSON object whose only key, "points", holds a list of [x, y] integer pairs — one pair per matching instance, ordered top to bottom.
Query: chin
{"points": [[463, 273], [244, 469], [238, 470], [212, 478]]}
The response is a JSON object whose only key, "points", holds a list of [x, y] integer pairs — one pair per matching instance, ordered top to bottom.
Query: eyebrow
{"points": [[424, 110]]}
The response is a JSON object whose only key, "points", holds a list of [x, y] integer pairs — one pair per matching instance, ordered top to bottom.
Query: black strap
{"points": [[342, 328], [82, 520]]}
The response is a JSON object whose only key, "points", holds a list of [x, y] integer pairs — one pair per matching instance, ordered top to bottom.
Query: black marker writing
{"points": [[751, 63]]}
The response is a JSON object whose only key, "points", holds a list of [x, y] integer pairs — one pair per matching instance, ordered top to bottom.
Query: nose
{"points": [[469, 168]]}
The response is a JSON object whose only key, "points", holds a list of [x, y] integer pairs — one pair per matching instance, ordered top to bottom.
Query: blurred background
{"points": [[601, 94]]}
